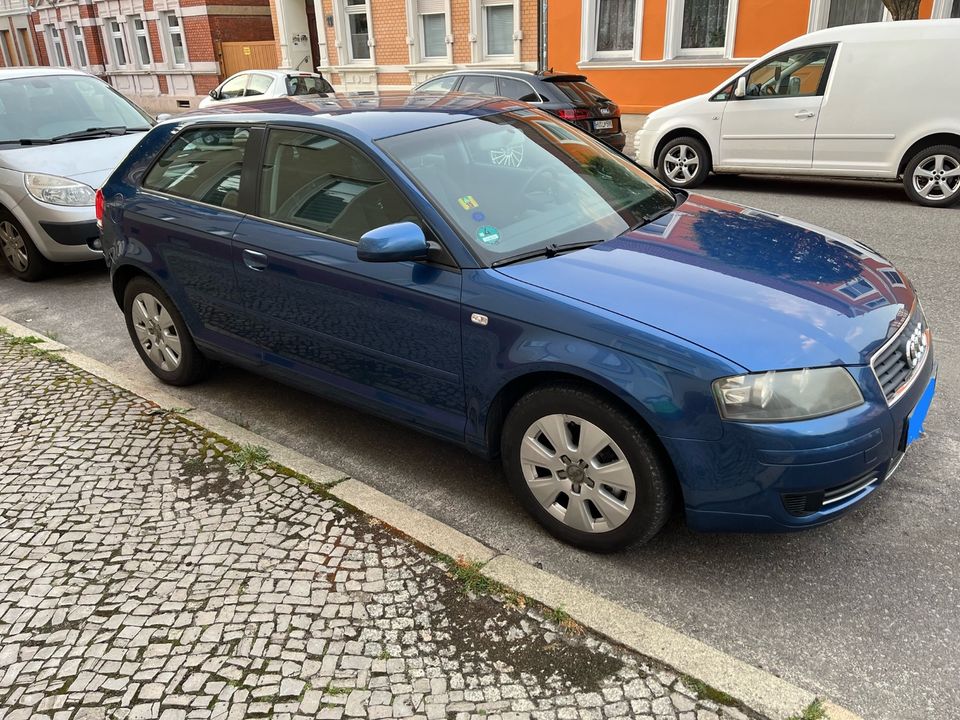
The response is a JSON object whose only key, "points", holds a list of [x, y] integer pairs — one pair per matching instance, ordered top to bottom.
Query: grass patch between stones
{"points": [[708, 692], [813, 711]]}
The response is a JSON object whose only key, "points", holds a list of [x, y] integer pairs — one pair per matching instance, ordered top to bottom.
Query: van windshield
{"points": [[55, 108]]}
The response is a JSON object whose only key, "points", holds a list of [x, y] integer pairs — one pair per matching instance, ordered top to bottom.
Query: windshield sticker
{"points": [[508, 156], [467, 202], [478, 216], [488, 235]]}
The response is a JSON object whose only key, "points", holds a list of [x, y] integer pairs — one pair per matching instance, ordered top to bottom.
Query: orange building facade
{"points": [[645, 54]]}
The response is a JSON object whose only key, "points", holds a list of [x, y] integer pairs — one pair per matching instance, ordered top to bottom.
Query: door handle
{"points": [[803, 114], [254, 260]]}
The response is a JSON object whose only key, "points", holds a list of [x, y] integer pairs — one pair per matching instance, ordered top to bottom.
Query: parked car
{"points": [[250, 85], [569, 97], [858, 101], [61, 134], [496, 278]]}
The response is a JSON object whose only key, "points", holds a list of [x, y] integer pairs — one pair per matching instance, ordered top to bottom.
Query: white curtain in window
{"points": [[848, 12], [615, 24], [704, 24], [499, 29]]}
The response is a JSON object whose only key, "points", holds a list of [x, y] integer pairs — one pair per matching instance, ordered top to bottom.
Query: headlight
{"points": [[58, 190], [787, 395]]}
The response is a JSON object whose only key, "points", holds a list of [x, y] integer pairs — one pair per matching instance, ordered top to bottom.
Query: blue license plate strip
{"points": [[916, 418]]}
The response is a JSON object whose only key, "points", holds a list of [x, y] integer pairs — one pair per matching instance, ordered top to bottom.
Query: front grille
{"points": [[900, 360], [801, 504]]}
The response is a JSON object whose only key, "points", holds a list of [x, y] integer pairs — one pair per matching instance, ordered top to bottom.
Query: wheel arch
{"points": [[684, 131], [940, 138], [121, 277]]}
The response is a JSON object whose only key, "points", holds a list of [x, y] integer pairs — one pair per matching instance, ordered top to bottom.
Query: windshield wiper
{"points": [[89, 133], [679, 198], [549, 251]]}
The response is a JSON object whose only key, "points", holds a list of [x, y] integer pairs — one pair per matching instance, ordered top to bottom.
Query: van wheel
{"points": [[684, 162], [932, 176], [19, 252], [160, 334], [584, 469]]}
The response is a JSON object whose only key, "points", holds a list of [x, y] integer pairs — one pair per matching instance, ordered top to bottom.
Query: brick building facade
{"points": [[371, 45], [162, 53]]}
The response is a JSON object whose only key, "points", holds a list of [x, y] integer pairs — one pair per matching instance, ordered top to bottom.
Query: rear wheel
{"points": [[684, 162], [932, 177], [19, 252], [160, 334], [584, 469]]}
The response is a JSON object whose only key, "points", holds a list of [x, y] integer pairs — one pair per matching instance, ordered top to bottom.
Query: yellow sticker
{"points": [[467, 202]]}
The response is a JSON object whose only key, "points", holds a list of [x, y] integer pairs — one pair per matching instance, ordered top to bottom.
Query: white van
{"points": [[879, 100]]}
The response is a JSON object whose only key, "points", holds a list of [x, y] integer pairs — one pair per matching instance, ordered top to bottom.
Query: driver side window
{"points": [[798, 73], [233, 87]]}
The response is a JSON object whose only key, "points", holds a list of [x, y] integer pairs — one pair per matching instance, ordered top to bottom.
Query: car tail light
{"points": [[574, 114], [98, 202]]}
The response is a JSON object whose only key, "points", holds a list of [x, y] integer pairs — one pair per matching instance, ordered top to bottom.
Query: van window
{"points": [[798, 73], [204, 165]]}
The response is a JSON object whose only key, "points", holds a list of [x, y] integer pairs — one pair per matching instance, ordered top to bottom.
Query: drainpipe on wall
{"points": [[541, 35]]}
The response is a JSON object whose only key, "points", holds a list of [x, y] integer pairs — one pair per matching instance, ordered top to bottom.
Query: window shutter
{"points": [[429, 7]]}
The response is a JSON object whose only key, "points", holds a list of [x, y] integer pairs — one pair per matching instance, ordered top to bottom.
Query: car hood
{"points": [[86, 161], [766, 292]]}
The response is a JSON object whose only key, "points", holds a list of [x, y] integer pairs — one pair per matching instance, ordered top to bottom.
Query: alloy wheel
{"points": [[681, 164], [937, 177], [13, 246], [156, 332], [578, 473]]}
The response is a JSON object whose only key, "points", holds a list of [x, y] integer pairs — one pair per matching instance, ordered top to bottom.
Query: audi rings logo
{"points": [[916, 346]]}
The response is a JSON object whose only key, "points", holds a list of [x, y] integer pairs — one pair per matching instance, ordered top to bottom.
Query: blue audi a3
{"points": [[490, 275]]}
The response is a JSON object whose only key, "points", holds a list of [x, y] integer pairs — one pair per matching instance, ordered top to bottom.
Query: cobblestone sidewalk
{"points": [[150, 570]]}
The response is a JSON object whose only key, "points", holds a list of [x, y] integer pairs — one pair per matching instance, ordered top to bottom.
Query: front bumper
{"points": [[645, 149], [61, 234], [790, 476]]}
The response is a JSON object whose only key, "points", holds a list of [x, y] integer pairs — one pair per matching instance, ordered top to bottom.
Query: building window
{"points": [[955, 10], [849, 12], [615, 19], [704, 25], [434, 28], [358, 29], [498, 29], [141, 40], [55, 46], [79, 46], [117, 47], [178, 51], [857, 288]]}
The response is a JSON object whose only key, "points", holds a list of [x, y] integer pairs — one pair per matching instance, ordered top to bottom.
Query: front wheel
{"points": [[684, 162], [932, 177], [19, 252], [584, 469]]}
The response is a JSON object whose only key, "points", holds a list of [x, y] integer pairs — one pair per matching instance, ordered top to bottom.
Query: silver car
{"points": [[250, 85], [62, 132]]}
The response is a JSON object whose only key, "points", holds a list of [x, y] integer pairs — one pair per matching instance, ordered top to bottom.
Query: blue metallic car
{"points": [[490, 275]]}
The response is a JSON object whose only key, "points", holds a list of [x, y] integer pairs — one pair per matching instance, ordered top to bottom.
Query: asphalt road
{"points": [[864, 610]]}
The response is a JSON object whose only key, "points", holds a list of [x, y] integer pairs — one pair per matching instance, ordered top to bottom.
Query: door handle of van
{"points": [[803, 114], [254, 260]]}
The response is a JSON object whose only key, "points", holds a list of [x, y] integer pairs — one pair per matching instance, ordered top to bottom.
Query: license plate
{"points": [[603, 124], [919, 414]]}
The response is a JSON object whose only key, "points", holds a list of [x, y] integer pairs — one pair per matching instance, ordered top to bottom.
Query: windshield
{"points": [[44, 107], [521, 181]]}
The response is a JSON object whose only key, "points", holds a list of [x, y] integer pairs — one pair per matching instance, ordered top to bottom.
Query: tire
{"points": [[684, 162], [928, 179], [19, 251], [160, 334], [574, 504]]}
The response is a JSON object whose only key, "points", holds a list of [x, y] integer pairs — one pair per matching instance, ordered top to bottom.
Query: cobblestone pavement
{"points": [[147, 572]]}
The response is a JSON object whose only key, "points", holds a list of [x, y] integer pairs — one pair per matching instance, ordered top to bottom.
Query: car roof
{"points": [[880, 31], [20, 72], [277, 73], [519, 74], [370, 117]]}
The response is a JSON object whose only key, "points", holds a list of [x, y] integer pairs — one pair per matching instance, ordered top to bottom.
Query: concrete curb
{"points": [[755, 688]]}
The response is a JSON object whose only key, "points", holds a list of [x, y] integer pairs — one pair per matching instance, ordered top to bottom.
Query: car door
{"points": [[774, 124], [183, 219], [386, 335]]}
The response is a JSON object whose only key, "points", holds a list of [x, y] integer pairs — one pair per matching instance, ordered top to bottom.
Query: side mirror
{"points": [[741, 89], [215, 94], [163, 116], [393, 243]]}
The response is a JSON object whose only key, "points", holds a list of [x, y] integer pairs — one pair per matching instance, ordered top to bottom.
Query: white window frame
{"points": [[484, 4], [941, 9], [820, 14], [590, 26], [342, 29], [478, 32], [167, 34], [415, 35], [135, 36], [112, 37], [423, 38], [78, 45], [672, 47], [55, 52]]}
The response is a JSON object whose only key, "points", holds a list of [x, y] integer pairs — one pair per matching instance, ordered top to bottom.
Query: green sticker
{"points": [[488, 235]]}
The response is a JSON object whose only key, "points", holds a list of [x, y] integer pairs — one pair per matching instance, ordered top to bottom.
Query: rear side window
{"points": [[479, 84], [258, 85], [307, 85], [518, 90], [580, 93], [202, 164], [321, 184]]}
